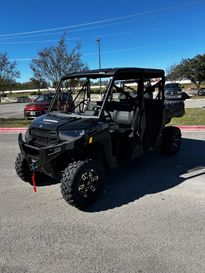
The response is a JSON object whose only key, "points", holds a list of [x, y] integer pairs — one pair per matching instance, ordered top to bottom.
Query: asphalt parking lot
{"points": [[12, 110], [150, 218]]}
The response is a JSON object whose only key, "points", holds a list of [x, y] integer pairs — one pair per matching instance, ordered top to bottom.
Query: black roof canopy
{"points": [[118, 73]]}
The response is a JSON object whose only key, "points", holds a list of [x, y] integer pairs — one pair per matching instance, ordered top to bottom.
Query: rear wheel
{"points": [[171, 140], [81, 183]]}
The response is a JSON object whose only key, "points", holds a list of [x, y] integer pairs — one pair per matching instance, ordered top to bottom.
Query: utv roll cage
{"points": [[125, 74], [75, 147]]}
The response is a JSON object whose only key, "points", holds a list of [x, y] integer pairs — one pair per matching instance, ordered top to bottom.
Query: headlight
{"points": [[71, 134], [28, 136]]}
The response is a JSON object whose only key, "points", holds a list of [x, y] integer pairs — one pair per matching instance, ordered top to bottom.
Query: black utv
{"points": [[118, 114]]}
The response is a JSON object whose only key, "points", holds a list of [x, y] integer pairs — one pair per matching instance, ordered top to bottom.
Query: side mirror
{"points": [[185, 96]]}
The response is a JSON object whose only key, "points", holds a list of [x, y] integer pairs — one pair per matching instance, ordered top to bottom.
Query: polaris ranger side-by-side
{"points": [[75, 145]]}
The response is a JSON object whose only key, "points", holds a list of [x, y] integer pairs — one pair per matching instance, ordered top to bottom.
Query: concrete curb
{"points": [[192, 128], [23, 130]]}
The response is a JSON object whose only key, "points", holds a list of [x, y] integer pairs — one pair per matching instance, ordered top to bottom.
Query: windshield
{"points": [[172, 85], [81, 96], [44, 98]]}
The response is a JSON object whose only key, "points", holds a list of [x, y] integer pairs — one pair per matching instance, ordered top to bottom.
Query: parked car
{"points": [[172, 91], [201, 92], [38, 107]]}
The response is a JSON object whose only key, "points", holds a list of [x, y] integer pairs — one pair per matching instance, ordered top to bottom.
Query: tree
{"points": [[55, 62], [191, 69], [8, 72], [34, 83]]}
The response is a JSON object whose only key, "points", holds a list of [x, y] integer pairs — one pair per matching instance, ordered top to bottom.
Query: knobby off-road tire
{"points": [[171, 140], [22, 168], [24, 172], [82, 183]]}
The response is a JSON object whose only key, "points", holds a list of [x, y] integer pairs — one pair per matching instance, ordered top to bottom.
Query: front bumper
{"points": [[170, 95], [33, 113], [40, 159]]}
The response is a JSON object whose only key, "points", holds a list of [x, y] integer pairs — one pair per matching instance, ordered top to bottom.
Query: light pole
{"points": [[99, 52], [99, 59]]}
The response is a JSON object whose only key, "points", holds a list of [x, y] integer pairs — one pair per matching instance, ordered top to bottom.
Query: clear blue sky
{"points": [[133, 33]]}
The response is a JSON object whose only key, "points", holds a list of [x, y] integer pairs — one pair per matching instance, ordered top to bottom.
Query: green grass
{"points": [[191, 85], [197, 97], [193, 116], [14, 123]]}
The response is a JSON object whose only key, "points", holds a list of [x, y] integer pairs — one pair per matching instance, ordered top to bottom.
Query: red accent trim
{"points": [[34, 182]]}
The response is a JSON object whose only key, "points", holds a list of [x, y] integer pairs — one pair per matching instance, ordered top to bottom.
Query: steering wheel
{"points": [[96, 108], [107, 115]]}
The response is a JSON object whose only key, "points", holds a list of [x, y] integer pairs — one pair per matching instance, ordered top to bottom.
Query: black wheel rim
{"points": [[89, 182]]}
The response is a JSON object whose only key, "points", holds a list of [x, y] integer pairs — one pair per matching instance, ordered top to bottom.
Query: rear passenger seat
{"points": [[121, 113], [123, 118]]}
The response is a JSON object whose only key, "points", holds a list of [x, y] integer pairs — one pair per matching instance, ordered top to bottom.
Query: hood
{"points": [[41, 103], [63, 122]]}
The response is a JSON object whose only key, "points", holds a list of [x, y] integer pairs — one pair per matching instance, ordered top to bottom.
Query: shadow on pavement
{"points": [[150, 174], [44, 180]]}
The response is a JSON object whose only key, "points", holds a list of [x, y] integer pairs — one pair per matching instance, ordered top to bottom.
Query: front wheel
{"points": [[171, 140], [22, 168], [24, 172], [82, 183]]}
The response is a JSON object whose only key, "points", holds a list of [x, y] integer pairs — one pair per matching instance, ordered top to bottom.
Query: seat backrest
{"points": [[123, 118]]}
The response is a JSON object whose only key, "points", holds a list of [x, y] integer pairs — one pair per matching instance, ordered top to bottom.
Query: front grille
{"points": [[44, 137]]}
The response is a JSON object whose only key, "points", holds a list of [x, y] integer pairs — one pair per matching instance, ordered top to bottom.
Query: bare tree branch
{"points": [[55, 62]]}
